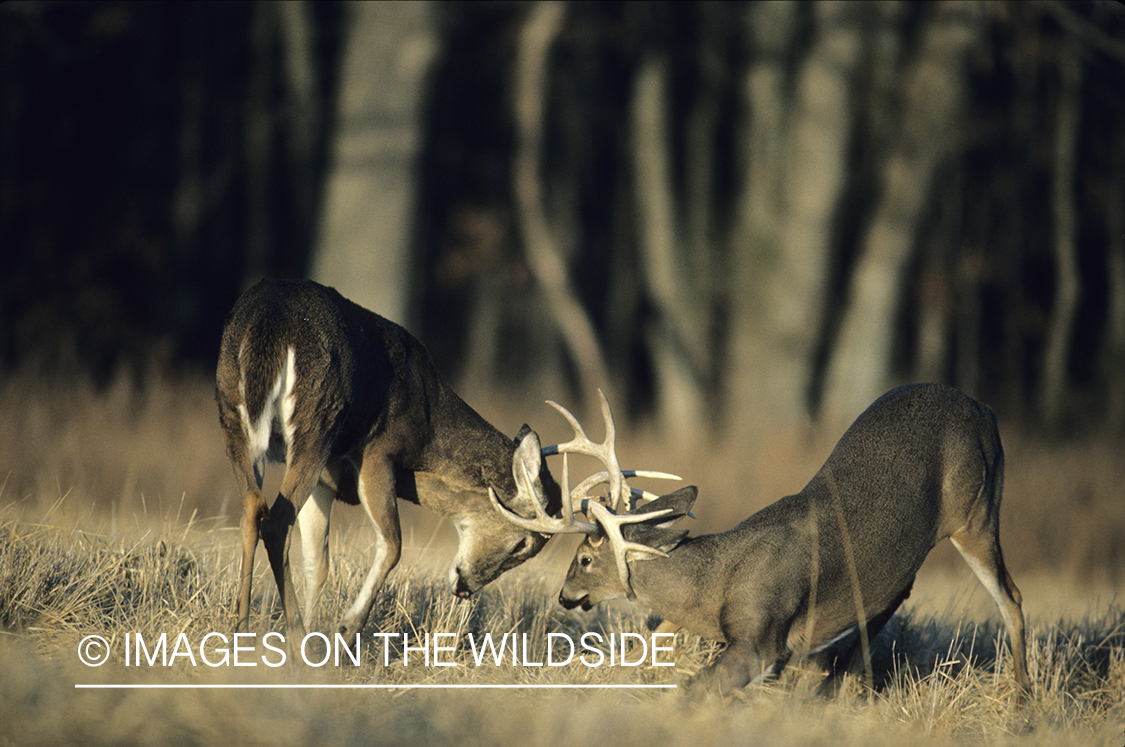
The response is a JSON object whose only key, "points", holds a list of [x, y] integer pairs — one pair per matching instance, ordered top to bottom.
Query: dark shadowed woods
{"points": [[729, 215]]}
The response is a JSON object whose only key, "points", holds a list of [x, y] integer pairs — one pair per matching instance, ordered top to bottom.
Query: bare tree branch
{"points": [[1083, 29], [550, 271]]}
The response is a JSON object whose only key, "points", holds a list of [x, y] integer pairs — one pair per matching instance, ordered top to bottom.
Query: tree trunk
{"points": [[539, 33], [257, 139], [796, 148], [364, 242], [1068, 287], [677, 333], [1113, 353], [859, 365]]}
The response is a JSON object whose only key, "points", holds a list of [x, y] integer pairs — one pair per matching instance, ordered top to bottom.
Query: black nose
{"points": [[462, 590], [569, 603]]}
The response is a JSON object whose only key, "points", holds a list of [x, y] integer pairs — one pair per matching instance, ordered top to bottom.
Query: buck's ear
{"points": [[521, 434], [528, 456], [680, 503], [659, 538]]}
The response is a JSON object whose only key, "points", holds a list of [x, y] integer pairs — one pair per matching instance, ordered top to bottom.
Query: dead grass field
{"points": [[117, 518]]}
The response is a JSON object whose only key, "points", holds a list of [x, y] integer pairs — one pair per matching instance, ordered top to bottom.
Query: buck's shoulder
{"points": [[785, 512]]}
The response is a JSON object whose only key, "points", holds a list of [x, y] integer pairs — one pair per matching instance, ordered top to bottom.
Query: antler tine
{"points": [[607, 416], [578, 432], [604, 451], [651, 473], [617, 490], [566, 494], [640, 495], [622, 497], [544, 522], [610, 524]]}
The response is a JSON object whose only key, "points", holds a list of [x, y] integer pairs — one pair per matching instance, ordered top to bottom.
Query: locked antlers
{"points": [[610, 516]]}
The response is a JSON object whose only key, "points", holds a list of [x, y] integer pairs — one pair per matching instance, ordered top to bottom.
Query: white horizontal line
{"points": [[242, 686]]}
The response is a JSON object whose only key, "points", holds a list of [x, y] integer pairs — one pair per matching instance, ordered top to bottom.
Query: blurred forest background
{"points": [[730, 215]]}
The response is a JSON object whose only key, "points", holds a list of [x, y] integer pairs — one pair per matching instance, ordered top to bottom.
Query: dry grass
{"points": [[112, 522], [940, 680]]}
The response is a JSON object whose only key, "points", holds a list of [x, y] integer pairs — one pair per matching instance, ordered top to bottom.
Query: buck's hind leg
{"points": [[248, 473], [297, 485], [254, 512], [981, 551]]}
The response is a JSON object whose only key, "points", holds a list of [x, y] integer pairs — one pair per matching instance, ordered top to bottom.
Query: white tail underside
{"points": [[277, 412]]}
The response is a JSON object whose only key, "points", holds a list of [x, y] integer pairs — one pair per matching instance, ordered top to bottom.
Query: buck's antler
{"points": [[620, 494], [609, 517], [543, 522]]}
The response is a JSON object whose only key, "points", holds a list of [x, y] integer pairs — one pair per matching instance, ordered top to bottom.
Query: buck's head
{"points": [[488, 542], [600, 569]]}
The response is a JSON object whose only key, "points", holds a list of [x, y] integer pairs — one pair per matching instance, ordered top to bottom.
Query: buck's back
{"points": [[350, 364], [898, 482]]}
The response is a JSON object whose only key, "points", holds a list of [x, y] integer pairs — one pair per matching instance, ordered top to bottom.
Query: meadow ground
{"points": [[117, 520]]}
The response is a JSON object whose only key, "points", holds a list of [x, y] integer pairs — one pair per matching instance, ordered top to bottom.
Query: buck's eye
{"points": [[584, 561]]}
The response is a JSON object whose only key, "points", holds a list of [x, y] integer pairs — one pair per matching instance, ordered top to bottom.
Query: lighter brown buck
{"points": [[353, 406], [829, 565]]}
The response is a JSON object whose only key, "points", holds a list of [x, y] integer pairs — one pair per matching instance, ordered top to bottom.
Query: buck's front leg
{"points": [[376, 490]]}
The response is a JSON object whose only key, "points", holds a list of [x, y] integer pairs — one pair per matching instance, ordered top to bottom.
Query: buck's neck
{"points": [[465, 450], [681, 587]]}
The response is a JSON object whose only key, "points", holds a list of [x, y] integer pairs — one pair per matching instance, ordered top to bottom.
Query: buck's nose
{"points": [[460, 588], [571, 603]]}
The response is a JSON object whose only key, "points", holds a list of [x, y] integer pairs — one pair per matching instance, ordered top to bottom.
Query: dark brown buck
{"points": [[353, 406], [922, 463]]}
